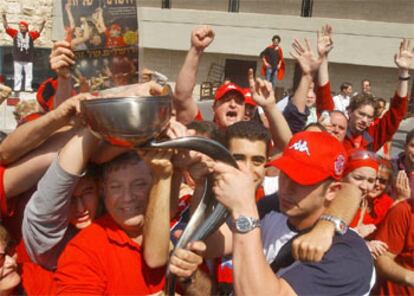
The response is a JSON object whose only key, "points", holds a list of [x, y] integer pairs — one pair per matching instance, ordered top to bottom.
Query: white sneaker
{"points": [[28, 90]]}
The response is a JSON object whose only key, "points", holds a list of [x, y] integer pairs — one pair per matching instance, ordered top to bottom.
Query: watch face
{"points": [[243, 224]]}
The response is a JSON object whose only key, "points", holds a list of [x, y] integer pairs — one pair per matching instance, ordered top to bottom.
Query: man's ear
{"points": [[332, 190]]}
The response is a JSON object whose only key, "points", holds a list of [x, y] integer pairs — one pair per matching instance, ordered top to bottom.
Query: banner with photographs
{"points": [[104, 36]]}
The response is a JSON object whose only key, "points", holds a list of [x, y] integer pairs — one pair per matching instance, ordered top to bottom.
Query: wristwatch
{"points": [[243, 224], [340, 226]]}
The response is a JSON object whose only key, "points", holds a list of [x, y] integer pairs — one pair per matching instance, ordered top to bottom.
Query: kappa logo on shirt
{"points": [[301, 146]]}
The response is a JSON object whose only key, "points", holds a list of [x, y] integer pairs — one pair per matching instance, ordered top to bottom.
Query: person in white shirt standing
{"points": [[342, 100]]}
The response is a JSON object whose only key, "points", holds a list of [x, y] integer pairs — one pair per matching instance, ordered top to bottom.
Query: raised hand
{"points": [[201, 37], [325, 43], [404, 56], [61, 59], [307, 60], [262, 91], [71, 106], [159, 161], [402, 186], [184, 262]]}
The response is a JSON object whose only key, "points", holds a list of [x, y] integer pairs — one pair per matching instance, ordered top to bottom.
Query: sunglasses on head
{"points": [[363, 155], [10, 250]]}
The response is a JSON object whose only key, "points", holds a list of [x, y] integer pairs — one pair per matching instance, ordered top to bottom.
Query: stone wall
{"points": [[31, 11]]}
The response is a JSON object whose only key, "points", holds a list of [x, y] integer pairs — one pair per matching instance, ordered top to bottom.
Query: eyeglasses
{"points": [[10, 250]]}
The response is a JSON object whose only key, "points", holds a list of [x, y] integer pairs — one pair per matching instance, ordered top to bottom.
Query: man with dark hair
{"points": [[23, 52], [273, 62], [366, 87], [342, 100], [203, 128], [361, 133], [249, 143], [311, 166]]}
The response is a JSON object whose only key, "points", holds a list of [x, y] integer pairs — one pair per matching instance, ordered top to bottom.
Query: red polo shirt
{"points": [[397, 231], [103, 260]]}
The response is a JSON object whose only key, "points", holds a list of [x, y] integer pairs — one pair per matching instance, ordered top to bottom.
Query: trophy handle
{"points": [[209, 147], [196, 229]]}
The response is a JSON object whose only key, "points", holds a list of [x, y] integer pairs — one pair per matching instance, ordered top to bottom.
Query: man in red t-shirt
{"points": [[23, 51], [396, 267]]}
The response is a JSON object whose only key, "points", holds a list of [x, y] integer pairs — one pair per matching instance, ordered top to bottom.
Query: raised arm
{"points": [[69, 15], [99, 20], [5, 23], [42, 25], [86, 34], [61, 59], [403, 59], [309, 63], [263, 95], [324, 101], [184, 104], [389, 123], [30, 135], [24, 173], [46, 215], [156, 243], [251, 273]]}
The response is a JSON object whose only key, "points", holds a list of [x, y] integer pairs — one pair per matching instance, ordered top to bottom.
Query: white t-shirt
{"points": [[341, 102], [270, 185], [275, 234]]}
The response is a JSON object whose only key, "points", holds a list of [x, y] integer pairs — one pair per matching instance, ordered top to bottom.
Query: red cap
{"points": [[26, 24], [225, 88], [248, 100], [312, 157], [358, 158]]}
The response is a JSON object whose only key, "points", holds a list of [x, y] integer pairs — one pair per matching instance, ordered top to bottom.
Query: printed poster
{"points": [[104, 36]]}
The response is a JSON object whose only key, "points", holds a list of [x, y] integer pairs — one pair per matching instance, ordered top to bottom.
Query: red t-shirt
{"points": [[13, 33], [380, 207], [12, 216], [397, 231], [103, 260], [37, 280]]}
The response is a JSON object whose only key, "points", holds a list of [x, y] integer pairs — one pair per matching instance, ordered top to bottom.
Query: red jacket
{"points": [[281, 71], [374, 137]]}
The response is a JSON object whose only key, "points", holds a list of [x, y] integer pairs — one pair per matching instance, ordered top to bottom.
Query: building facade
{"points": [[366, 34]]}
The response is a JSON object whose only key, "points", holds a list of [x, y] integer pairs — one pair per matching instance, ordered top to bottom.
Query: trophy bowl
{"points": [[127, 121]]}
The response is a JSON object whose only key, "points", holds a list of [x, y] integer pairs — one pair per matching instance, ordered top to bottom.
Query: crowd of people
{"points": [[313, 209]]}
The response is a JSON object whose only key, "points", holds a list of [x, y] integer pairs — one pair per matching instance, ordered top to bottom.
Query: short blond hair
{"points": [[25, 108]]}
